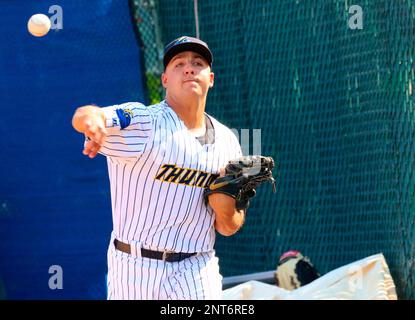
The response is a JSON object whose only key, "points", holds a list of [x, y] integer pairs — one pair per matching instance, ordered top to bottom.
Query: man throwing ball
{"points": [[163, 160]]}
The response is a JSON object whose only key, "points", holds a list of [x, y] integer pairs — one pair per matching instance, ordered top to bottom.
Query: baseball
{"points": [[38, 25]]}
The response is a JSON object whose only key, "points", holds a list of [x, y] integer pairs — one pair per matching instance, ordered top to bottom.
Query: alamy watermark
{"points": [[56, 20], [356, 20], [244, 138], [172, 145], [56, 280]]}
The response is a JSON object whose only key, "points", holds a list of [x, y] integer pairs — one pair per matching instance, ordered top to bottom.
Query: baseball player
{"points": [[160, 160]]}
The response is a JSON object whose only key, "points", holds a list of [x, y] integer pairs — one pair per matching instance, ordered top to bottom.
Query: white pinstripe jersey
{"points": [[157, 172]]}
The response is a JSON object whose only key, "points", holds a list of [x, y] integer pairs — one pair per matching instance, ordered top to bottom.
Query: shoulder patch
{"points": [[125, 116]]}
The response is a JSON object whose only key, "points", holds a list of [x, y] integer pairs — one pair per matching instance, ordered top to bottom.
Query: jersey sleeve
{"points": [[129, 128]]}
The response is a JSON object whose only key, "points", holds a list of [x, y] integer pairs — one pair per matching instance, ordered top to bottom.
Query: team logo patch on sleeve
{"points": [[125, 116]]}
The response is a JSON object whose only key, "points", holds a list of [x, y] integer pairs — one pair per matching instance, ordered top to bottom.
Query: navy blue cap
{"points": [[187, 44]]}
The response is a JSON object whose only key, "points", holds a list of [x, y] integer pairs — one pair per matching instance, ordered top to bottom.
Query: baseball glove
{"points": [[242, 177], [295, 270]]}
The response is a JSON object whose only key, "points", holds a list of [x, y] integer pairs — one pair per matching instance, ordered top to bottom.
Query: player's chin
{"points": [[192, 86], [194, 90]]}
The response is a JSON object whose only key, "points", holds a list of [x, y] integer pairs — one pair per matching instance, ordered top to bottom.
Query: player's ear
{"points": [[212, 79], [164, 80]]}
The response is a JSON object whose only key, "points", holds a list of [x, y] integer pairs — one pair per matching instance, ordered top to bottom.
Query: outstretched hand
{"points": [[90, 121], [95, 129], [96, 132], [91, 148]]}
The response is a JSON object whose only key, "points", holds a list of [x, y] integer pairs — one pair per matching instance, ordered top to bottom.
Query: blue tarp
{"points": [[55, 204]]}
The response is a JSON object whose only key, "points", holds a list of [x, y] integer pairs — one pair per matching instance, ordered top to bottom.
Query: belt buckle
{"points": [[165, 253]]}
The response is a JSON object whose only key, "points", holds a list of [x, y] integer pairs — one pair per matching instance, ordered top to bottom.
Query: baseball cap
{"points": [[186, 43]]}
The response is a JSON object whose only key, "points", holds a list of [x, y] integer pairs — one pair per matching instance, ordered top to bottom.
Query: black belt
{"points": [[159, 255]]}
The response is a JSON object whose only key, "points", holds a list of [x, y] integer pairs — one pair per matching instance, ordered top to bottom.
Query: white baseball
{"points": [[38, 25]]}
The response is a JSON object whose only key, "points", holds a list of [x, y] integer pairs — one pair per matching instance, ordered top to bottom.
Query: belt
{"points": [[167, 256]]}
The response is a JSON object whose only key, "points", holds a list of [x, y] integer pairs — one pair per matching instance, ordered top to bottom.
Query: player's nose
{"points": [[188, 69]]}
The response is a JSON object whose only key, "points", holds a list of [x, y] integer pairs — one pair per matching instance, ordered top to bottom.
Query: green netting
{"points": [[145, 15], [335, 108]]}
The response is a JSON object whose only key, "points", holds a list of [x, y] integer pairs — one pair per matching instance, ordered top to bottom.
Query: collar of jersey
{"points": [[183, 126]]}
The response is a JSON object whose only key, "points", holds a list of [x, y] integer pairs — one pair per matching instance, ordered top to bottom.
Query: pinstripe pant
{"points": [[138, 278]]}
